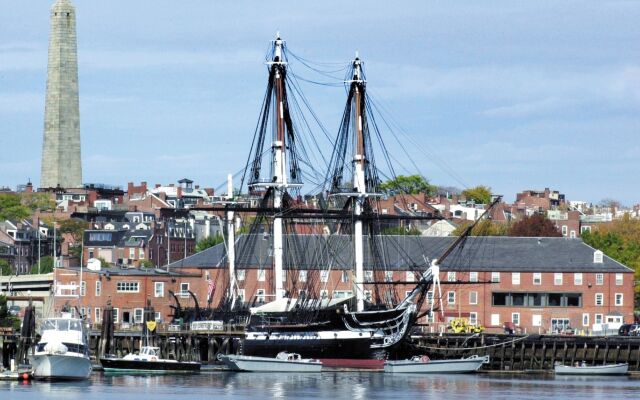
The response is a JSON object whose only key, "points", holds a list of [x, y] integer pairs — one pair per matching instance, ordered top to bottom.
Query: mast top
{"points": [[278, 44], [357, 69]]}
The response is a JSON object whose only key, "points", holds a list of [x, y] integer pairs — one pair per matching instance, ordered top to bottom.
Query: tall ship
{"points": [[301, 240]]}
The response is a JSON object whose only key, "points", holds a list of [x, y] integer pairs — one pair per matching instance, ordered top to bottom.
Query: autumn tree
{"points": [[412, 184], [480, 194], [38, 201], [536, 225], [486, 227]]}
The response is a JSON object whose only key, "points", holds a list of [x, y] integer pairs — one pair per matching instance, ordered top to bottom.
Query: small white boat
{"points": [[62, 352], [284, 362], [423, 365], [583, 369]]}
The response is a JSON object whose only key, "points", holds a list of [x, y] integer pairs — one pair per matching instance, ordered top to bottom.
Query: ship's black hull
{"points": [[357, 348], [118, 364]]}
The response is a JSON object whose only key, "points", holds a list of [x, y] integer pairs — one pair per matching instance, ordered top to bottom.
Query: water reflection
{"points": [[325, 385]]}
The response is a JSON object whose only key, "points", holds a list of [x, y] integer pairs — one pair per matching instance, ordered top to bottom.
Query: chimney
{"points": [[130, 187]]}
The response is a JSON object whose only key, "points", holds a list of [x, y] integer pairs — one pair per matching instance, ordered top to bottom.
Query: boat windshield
{"points": [[61, 325]]}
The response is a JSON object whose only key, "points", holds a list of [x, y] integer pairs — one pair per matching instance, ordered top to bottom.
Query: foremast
{"points": [[284, 170]]}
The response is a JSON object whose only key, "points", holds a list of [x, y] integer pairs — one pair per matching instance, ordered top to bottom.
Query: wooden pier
{"points": [[532, 352]]}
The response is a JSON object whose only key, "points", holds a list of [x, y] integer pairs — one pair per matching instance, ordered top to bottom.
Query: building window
{"points": [[584, 229], [564, 230], [572, 234], [132, 253], [141, 254], [240, 273], [261, 275], [284, 275], [302, 275], [324, 276], [368, 276], [388, 276], [409, 276], [451, 276], [344, 277], [473, 277], [495, 277], [515, 278], [537, 278], [557, 278], [577, 278], [599, 279], [619, 279], [128, 287], [83, 288], [98, 288], [158, 289], [184, 289], [324, 294], [342, 294], [240, 295], [260, 295], [367, 295], [429, 297], [451, 297], [473, 297], [599, 299], [619, 299], [98, 315], [116, 315], [138, 315], [158, 316], [473, 318], [515, 318], [598, 318], [495, 319], [585, 319], [536, 320]]}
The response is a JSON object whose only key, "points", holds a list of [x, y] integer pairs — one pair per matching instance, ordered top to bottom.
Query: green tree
{"points": [[412, 184], [480, 194], [38, 201], [11, 208], [536, 225], [75, 228], [402, 230], [208, 242], [146, 264], [46, 265], [5, 268]]}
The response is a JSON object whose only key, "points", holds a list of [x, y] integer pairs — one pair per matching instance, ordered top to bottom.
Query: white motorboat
{"points": [[62, 352], [147, 360], [283, 362], [424, 365], [583, 369]]}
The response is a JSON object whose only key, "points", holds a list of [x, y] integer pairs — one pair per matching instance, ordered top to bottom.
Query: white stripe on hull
{"points": [[264, 364], [53, 366]]}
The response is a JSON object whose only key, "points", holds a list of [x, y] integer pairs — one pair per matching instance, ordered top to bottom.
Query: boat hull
{"points": [[329, 348], [267, 364], [120, 365], [461, 366], [60, 367], [615, 369]]}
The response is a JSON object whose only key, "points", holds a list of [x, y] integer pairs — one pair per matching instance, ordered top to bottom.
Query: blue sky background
{"points": [[512, 94]]}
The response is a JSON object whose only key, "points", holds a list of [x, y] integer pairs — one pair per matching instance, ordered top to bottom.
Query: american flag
{"points": [[212, 288]]}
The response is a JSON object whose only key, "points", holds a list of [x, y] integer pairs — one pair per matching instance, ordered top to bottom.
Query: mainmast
{"points": [[279, 175], [358, 181]]}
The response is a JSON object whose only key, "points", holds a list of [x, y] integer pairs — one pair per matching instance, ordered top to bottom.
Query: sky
{"points": [[514, 95]]}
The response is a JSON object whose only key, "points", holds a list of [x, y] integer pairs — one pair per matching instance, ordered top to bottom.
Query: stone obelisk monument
{"points": [[61, 165]]}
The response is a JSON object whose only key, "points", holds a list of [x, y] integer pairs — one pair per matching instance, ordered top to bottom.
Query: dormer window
{"points": [[598, 256]]}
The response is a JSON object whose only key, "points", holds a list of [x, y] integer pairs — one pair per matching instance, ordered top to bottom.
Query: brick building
{"points": [[538, 284]]}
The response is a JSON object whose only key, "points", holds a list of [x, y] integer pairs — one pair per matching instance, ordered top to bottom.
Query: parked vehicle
{"points": [[14, 310], [629, 330]]}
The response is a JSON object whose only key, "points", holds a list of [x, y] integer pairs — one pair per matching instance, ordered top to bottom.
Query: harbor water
{"points": [[325, 385]]}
